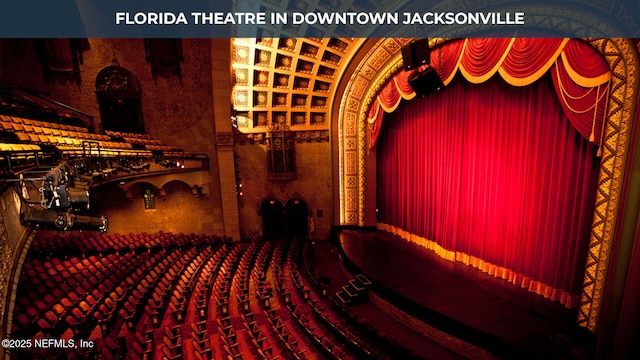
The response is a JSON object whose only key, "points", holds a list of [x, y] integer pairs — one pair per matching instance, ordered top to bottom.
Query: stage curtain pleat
{"points": [[482, 58], [446, 59], [529, 59], [580, 75], [586, 106], [495, 177]]}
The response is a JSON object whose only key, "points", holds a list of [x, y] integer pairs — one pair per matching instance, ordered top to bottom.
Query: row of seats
{"points": [[17, 120], [46, 131], [129, 135], [68, 137], [140, 139], [96, 243], [191, 298], [79, 307], [185, 327], [267, 329], [322, 339]]}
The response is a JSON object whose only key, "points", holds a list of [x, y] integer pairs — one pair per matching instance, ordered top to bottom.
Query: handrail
{"points": [[29, 94], [37, 94]]}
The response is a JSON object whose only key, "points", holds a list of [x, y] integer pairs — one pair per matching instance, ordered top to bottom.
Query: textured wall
{"points": [[313, 184], [178, 212]]}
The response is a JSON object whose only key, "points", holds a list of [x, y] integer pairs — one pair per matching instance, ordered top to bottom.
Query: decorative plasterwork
{"points": [[622, 60], [384, 61], [286, 81], [224, 138]]}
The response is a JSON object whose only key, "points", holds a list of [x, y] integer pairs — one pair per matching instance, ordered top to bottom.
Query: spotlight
{"points": [[415, 54], [426, 82], [63, 197], [65, 221], [91, 223]]}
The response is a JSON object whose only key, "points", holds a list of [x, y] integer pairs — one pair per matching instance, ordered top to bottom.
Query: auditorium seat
{"points": [[182, 288]]}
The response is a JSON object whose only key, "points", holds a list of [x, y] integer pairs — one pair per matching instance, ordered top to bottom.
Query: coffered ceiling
{"points": [[286, 81]]}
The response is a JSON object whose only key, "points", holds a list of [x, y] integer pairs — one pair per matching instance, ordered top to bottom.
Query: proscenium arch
{"points": [[384, 60]]}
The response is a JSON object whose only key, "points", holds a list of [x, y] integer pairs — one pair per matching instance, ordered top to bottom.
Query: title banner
{"points": [[318, 18]]}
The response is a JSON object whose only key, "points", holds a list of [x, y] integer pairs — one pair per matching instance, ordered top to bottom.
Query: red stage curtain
{"points": [[483, 57], [580, 74], [581, 79], [493, 176]]}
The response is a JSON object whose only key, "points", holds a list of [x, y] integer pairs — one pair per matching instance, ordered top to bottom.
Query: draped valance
{"points": [[580, 76]]}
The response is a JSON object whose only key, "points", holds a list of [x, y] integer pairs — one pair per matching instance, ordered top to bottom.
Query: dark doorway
{"points": [[118, 93], [122, 115], [297, 218], [272, 219]]}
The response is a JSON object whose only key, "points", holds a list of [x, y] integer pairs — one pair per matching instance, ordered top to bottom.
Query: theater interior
{"points": [[319, 198]]}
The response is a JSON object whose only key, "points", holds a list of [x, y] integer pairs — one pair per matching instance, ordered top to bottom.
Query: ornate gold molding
{"points": [[623, 62]]}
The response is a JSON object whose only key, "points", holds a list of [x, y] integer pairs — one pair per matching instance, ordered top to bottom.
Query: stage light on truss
{"points": [[64, 221]]}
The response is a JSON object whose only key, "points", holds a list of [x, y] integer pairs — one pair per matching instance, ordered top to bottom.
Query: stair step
{"points": [[363, 280], [356, 285], [350, 292], [343, 297]]}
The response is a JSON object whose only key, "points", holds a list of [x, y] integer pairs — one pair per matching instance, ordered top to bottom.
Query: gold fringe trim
{"points": [[525, 282]]}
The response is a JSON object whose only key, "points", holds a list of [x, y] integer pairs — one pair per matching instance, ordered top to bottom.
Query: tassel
{"points": [[592, 137]]}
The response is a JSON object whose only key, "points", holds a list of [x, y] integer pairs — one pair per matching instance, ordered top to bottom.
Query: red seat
{"points": [[73, 296], [41, 305], [84, 307], [58, 309], [51, 317], [174, 345], [202, 349], [169, 354]]}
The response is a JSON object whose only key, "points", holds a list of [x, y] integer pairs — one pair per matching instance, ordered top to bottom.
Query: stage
{"points": [[484, 311]]}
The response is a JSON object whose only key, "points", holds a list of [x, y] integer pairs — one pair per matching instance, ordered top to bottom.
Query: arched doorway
{"points": [[118, 93], [297, 218], [273, 226]]}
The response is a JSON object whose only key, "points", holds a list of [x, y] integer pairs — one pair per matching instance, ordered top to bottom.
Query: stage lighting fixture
{"points": [[415, 54], [425, 82], [59, 174], [70, 197], [65, 221]]}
